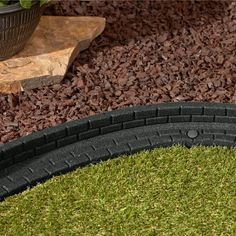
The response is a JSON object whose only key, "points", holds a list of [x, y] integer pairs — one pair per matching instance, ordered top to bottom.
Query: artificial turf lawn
{"points": [[172, 191]]}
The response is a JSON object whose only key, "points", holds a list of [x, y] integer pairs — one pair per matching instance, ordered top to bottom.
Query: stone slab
{"points": [[50, 51]]}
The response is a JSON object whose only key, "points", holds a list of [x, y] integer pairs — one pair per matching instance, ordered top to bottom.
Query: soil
{"points": [[150, 52]]}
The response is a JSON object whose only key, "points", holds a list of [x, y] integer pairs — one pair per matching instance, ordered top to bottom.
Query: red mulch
{"points": [[150, 52]]}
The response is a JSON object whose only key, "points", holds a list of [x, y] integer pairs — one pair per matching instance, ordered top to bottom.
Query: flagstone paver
{"points": [[51, 50]]}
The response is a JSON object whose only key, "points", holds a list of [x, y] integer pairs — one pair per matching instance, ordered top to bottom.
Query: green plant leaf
{"points": [[42, 2], [3, 3], [26, 3]]}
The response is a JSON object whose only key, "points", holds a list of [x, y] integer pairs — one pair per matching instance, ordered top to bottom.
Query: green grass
{"points": [[173, 191]]}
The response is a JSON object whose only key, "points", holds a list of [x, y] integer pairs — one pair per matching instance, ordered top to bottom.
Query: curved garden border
{"points": [[41, 155]]}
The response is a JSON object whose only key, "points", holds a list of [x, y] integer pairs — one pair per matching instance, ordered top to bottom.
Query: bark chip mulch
{"points": [[150, 52]]}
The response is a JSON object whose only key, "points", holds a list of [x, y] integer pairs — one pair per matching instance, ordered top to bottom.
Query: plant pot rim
{"points": [[14, 8]]}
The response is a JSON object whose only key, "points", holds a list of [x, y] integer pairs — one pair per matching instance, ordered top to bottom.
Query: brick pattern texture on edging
{"points": [[62, 135], [58, 150]]}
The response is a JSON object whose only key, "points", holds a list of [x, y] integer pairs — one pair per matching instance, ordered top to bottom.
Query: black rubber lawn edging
{"points": [[57, 150]]}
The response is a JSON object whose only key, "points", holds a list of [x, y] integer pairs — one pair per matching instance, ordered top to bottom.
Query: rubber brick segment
{"points": [[169, 110], [192, 110], [211, 110], [231, 111], [148, 112], [123, 117], [181, 118], [198, 118], [225, 119], [157, 120], [97, 122], [133, 124], [76, 127], [111, 128], [215, 131], [169, 132], [231, 132], [55, 134], [89, 134], [147, 134], [224, 138], [123, 139], [33, 140], [66, 140], [182, 141], [103, 142], [158, 142], [224, 143], [138, 145], [45, 148], [11, 149], [119, 150], [99, 155], [23, 156], [58, 168], [37, 176], [12, 187]]}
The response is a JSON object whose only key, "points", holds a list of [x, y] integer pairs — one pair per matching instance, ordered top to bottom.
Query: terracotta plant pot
{"points": [[16, 27]]}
